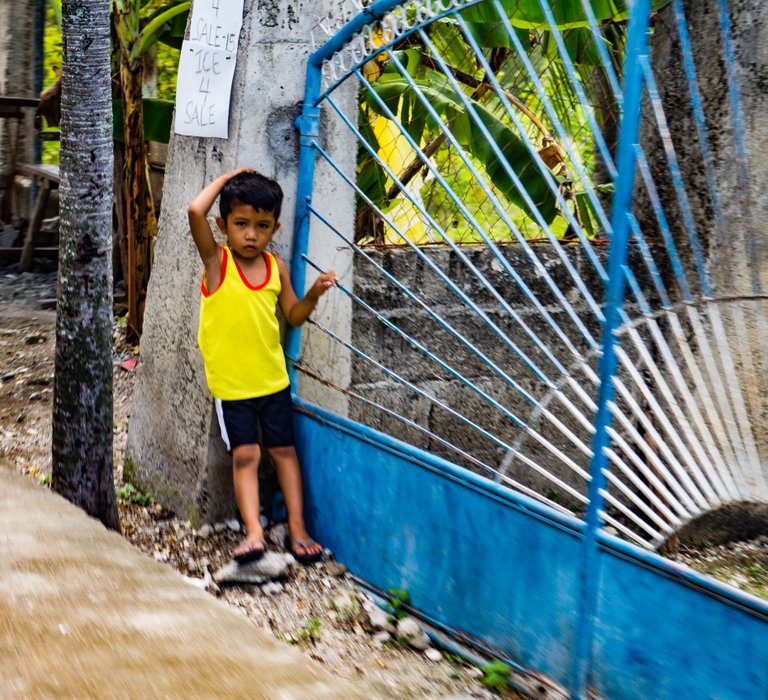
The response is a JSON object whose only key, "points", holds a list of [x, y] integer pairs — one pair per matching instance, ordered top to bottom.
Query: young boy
{"points": [[239, 338]]}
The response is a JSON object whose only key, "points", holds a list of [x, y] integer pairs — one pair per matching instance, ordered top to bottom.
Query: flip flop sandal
{"points": [[305, 544], [249, 551]]}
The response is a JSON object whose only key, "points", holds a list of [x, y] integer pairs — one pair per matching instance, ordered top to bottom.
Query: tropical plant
{"points": [[138, 26], [413, 83], [82, 400]]}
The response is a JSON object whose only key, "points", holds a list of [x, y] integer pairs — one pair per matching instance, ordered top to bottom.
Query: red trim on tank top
{"points": [[267, 261], [203, 288]]}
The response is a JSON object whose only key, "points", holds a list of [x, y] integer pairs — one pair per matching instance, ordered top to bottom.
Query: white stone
{"points": [[233, 524], [205, 531], [277, 534], [272, 566], [345, 603], [379, 619], [407, 627], [409, 630], [382, 637], [420, 641], [433, 654]]}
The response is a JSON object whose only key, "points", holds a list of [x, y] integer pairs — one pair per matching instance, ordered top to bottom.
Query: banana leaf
{"points": [[527, 15], [158, 118], [470, 136], [371, 178]]}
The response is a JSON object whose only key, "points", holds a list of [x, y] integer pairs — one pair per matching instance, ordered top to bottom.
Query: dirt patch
{"points": [[298, 611]]}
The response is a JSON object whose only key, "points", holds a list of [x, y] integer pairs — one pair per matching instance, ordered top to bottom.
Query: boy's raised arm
{"points": [[198, 219], [296, 310]]}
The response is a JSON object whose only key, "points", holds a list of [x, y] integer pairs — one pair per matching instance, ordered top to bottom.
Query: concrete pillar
{"points": [[735, 252], [175, 451]]}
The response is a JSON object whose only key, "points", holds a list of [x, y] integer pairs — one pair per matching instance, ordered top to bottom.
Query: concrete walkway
{"points": [[85, 615]]}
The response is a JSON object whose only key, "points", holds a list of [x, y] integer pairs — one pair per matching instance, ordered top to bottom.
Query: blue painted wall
{"points": [[506, 569]]}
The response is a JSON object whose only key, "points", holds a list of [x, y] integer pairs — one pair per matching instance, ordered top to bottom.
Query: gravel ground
{"points": [[304, 609], [298, 610]]}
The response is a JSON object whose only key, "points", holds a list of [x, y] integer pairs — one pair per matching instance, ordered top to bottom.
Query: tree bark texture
{"points": [[140, 214], [82, 405]]}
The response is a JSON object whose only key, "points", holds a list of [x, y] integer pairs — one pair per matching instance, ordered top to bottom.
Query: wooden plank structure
{"points": [[13, 109], [48, 179]]}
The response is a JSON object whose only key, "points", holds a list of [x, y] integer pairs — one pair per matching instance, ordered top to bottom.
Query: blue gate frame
{"points": [[599, 615]]}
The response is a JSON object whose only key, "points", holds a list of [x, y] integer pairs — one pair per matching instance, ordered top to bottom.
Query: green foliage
{"points": [[567, 14], [158, 119], [470, 132], [511, 193], [44, 479], [129, 494], [552, 495], [400, 598], [309, 633], [496, 676]]}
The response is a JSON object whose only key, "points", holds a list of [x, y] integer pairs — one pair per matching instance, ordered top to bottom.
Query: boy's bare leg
{"points": [[245, 475], [289, 475]]}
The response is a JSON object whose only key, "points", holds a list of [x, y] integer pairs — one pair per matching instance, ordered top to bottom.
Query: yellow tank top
{"points": [[239, 335]]}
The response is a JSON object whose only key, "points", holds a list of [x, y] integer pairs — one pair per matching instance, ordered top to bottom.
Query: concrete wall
{"points": [[735, 251], [386, 346], [175, 451]]}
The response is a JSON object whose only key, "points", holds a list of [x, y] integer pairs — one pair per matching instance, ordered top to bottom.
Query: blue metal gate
{"points": [[527, 435]]}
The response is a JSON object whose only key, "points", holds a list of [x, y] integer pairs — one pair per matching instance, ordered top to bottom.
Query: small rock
{"points": [[35, 339], [35, 396], [233, 525], [219, 528], [205, 531], [278, 534], [272, 566], [335, 569], [272, 588], [345, 603], [380, 620], [407, 627], [409, 630], [382, 637], [420, 642], [433, 654]]}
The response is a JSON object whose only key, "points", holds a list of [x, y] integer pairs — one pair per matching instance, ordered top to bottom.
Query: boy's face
{"points": [[248, 230]]}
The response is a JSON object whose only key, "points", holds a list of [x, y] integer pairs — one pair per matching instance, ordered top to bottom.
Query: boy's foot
{"points": [[249, 551], [305, 551]]}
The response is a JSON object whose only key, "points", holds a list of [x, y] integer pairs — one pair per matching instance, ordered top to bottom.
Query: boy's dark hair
{"points": [[254, 189]]}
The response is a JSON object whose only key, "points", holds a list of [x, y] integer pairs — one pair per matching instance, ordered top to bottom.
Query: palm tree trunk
{"points": [[82, 405]]}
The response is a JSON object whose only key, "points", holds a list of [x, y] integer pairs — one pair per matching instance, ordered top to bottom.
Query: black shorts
{"points": [[266, 420]]}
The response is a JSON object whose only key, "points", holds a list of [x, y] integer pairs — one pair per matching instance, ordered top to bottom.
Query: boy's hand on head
{"points": [[237, 171], [322, 284]]}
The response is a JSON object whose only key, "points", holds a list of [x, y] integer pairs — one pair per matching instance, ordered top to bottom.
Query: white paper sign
{"points": [[206, 68]]}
